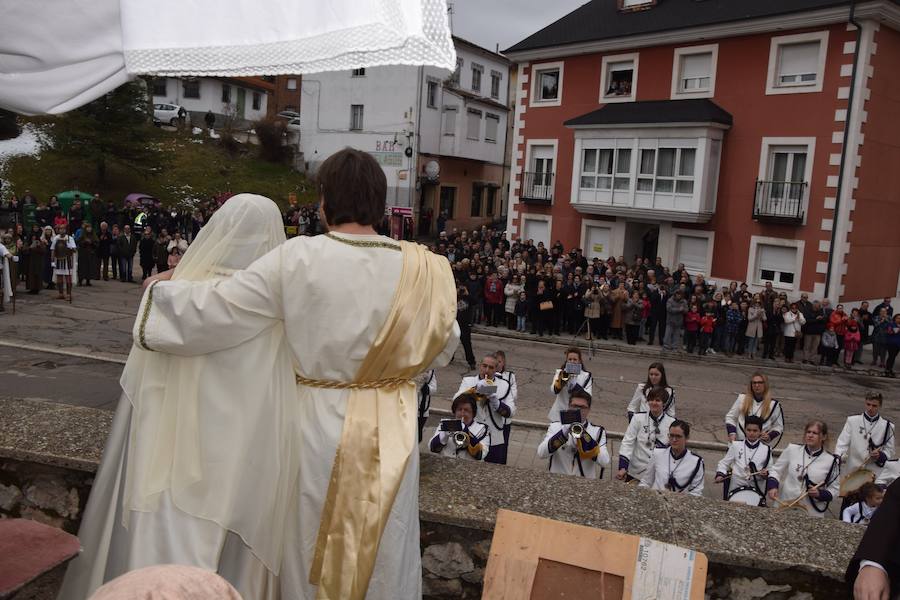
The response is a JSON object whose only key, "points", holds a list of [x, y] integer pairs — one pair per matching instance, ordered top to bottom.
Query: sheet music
{"points": [[662, 571]]}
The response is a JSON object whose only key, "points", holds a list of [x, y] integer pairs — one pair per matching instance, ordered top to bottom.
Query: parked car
{"points": [[168, 113], [288, 114], [294, 125]]}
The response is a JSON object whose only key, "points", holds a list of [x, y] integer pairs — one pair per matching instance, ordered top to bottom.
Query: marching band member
{"points": [[656, 377], [510, 378], [566, 378], [426, 386], [757, 401], [495, 408], [646, 432], [866, 439], [474, 441], [577, 450], [747, 460], [675, 468], [806, 473], [889, 473], [863, 504]]}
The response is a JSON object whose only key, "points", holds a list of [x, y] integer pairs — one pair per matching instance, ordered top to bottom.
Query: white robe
{"points": [[333, 298], [561, 401], [639, 402], [494, 420], [774, 422], [477, 430], [640, 439], [853, 443], [738, 459], [565, 460], [821, 467], [686, 473]]}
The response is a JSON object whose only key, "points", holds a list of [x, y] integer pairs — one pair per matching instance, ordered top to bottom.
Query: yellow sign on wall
{"points": [[598, 248]]}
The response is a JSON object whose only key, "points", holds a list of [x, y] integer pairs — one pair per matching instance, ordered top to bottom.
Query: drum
{"points": [[855, 480], [747, 495]]}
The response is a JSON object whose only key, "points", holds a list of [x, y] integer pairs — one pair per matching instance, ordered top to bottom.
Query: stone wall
{"points": [[48, 453]]}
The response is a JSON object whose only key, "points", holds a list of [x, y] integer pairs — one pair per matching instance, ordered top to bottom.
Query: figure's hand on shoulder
{"points": [[164, 276]]}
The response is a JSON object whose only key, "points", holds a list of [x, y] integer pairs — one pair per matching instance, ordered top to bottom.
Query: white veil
{"points": [[217, 432]]}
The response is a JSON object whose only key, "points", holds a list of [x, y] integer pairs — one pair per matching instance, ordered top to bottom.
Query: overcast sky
{"points": [[505, 22]]}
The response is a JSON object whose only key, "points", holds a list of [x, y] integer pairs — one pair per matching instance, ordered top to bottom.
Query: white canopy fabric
{"points": [[56, 55]]}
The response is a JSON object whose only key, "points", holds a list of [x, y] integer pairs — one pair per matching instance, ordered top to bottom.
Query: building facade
{"points": [[245, 100], [440, 140], [750, 141]]}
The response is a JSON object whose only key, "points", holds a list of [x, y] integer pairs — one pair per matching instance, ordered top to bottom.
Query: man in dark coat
{"points": [[126, 246], [146, 248]]}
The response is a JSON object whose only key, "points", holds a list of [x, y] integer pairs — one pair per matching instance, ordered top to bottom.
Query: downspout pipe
{"points": [[842, 169]]}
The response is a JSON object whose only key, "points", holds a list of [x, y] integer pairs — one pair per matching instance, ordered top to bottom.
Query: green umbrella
{"points": [[66, 199]]}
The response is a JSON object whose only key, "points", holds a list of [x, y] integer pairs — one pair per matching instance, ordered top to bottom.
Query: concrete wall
{"points": [[48, 453]]}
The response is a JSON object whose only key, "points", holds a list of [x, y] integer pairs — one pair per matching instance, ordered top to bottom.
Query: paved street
{"points": [[99, 321]]}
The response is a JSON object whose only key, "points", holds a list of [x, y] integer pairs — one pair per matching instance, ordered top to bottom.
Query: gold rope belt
{"points": [[365, 385]]}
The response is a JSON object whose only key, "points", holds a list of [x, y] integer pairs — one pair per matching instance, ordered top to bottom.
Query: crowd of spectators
{"points": [[110, 237], [528, 287]]}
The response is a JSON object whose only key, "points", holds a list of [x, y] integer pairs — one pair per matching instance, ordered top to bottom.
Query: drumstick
{"points": [[732, 473], [801, 497]]}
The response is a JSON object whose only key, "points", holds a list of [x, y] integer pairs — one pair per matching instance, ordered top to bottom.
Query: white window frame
{"points": [[799, 38], [476, 68], [536, 70], [604, 75], [498, 77], [292, 83], [428, 86], [677, 92], [455, 110], [474, 111], [362, 113], [493, 117], [765, 150], [529, 151], [537, 217], [697, 233], [616, 234], [753, 258]]}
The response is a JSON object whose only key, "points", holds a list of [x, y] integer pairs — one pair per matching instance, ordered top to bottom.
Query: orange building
{"points": [[751, 141]]}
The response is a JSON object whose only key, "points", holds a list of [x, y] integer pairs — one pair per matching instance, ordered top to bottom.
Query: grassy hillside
{"points": [[195, 169]]}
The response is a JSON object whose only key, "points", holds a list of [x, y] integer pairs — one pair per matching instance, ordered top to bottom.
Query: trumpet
{"points": [[564, 376], [577, 430], [460, 439]]}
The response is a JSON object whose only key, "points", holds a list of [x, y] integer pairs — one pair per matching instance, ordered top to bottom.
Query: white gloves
{"points": [[494, 401], [443, 436]]}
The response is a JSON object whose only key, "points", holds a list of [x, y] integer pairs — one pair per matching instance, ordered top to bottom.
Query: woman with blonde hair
{"points": [[757, 401]]}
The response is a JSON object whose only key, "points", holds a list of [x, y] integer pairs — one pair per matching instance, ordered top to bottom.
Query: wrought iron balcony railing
{"points": [[537, 188], [779, 201]]}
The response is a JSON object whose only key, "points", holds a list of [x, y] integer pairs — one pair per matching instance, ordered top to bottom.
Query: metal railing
{"points": [[537, 188], [779, 201]]}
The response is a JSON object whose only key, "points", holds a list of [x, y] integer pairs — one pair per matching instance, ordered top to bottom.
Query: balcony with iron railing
{"points": [[537, 188], [780, 202]]}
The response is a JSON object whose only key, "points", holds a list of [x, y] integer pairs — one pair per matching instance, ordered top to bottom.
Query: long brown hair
{"points": [[767, 397]]}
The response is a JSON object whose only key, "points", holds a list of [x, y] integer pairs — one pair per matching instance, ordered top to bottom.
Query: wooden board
{"points": [[540, 559]]}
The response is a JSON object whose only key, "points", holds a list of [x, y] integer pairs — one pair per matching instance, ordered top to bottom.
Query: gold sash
{"points": [[379, 427]]}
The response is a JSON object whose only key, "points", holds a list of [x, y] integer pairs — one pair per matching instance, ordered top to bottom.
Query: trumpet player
{"points": [[510, 378], [567, 378], [495, 406], [646, 431], [471, 439], [867, 439], [577, 448], [748, 460], [675, 468], [806, 473]]}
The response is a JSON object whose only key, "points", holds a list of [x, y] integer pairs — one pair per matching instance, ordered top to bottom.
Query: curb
{"points": [[718, 359]]}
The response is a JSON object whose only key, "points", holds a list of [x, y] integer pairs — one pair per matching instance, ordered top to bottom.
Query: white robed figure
{"points": [[363, 315], [185, 458]]}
